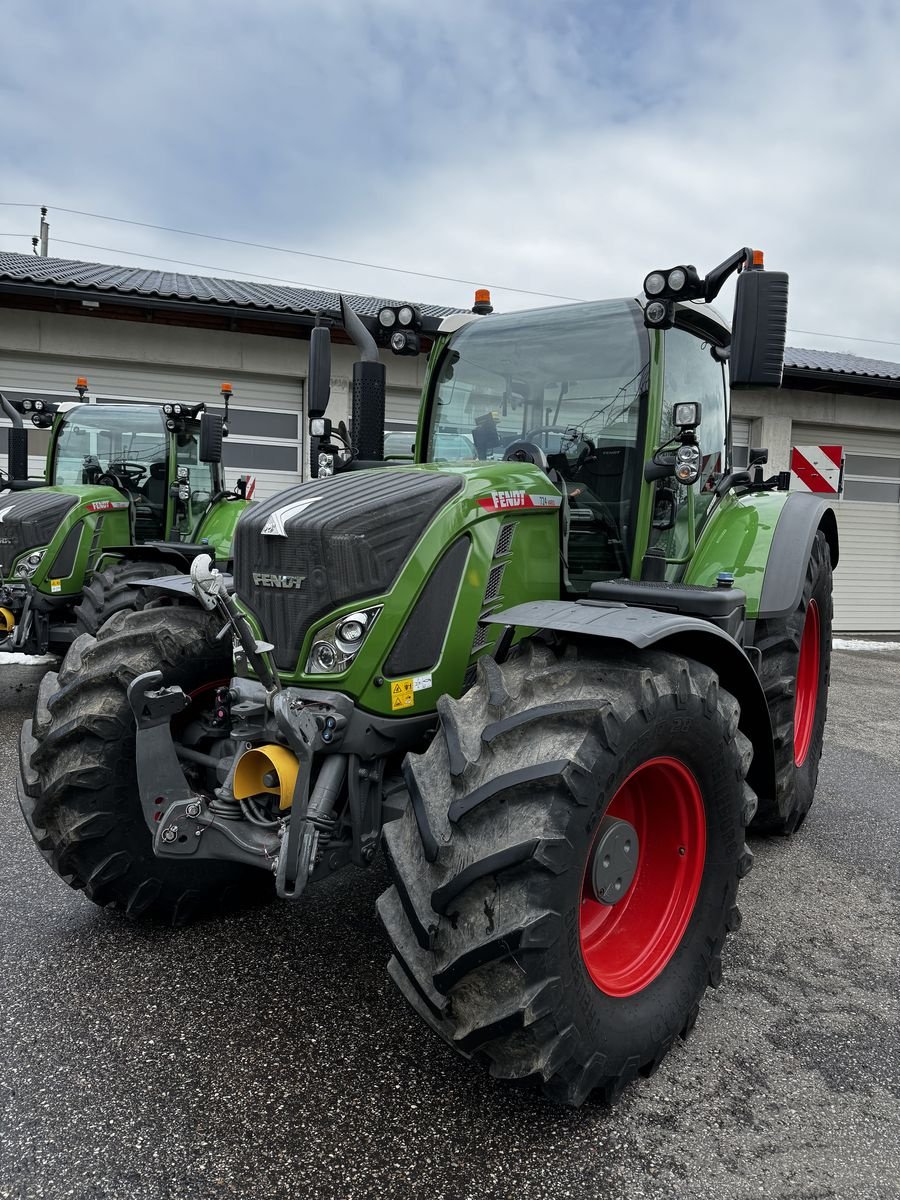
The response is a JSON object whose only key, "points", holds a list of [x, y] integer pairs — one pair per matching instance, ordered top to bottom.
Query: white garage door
{"points": [[266, 412], [867, 581]]}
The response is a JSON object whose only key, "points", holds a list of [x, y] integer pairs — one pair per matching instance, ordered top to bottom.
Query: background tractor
{"points": [[130, 491], [556, 666]]}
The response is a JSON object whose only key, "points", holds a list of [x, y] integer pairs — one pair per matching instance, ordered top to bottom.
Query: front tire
{"points": [[117, 589], [795, 672], [78, 786], [498, 939]]}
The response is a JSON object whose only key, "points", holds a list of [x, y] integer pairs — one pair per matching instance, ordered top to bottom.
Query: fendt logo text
{"points": [[262, 579]]}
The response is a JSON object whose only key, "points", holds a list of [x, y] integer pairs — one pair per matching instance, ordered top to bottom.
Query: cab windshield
{"points": [[570, 381], [126, 441]]}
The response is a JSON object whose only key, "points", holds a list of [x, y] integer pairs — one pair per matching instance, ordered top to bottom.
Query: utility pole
{"points": [[44, 240]]}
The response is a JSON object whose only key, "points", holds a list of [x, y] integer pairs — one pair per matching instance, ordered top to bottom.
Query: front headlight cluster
{"points": [[29, 564], [336, 646]]}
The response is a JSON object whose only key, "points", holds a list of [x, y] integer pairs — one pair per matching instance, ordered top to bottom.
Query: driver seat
{"points": [[606, 473], [149, 517]]}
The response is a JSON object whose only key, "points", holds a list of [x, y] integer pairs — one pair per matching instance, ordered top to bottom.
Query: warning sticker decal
{"points": [[55, 585], [401, 693]]}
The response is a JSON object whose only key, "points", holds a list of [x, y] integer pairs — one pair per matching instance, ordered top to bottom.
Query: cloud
{"points": [[566, 148]]}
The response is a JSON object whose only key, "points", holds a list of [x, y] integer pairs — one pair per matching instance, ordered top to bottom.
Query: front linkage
{"points": [[303, 841]]}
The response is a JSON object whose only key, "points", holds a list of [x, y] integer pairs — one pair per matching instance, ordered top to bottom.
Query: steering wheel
{"points": [[565, 432], [523, 451], [134, 472]]}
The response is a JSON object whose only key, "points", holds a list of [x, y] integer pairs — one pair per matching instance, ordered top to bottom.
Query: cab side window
{"points": [[691, 373]]}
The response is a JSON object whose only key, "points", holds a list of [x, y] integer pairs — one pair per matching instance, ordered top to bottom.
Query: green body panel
{"points": [[653, 436], [96, 510], [217, 527], [737, 537], [532, 572]]}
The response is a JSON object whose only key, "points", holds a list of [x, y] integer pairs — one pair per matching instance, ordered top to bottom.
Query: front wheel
{"points": [[78, 786], [567, 871]]}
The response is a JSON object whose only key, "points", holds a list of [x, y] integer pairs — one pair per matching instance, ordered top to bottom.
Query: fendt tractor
{"points": [[130, 491], [556, 666]]}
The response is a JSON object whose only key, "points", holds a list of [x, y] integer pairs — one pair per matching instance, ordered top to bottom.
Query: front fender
{"points": [[619, 625]]}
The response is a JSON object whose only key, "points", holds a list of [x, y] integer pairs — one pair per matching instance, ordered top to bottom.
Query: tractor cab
{"points": [[571, 389], [151, 458], [128, 487]]}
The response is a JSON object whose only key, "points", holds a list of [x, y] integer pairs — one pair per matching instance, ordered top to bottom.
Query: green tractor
{"points": [[131, 491], [555, 667]]}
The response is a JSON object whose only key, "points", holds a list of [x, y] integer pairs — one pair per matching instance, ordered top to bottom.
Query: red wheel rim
{"points": [[807, 685], [627, 944]]}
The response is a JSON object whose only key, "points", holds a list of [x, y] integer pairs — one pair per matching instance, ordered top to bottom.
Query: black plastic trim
{"points": [[64, 563]]}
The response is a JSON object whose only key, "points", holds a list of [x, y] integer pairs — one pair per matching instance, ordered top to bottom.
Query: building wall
{"points": [[60, 344], [774, 413]]}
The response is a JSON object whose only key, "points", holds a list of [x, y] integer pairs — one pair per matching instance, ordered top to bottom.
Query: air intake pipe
{"points": [[367, 400], [18, 442]]}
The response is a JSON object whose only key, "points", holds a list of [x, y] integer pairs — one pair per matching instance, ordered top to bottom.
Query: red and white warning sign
{"points": [[817, 468]]}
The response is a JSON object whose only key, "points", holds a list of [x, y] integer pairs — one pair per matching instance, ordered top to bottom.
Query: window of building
{"points": [[873, 478]]}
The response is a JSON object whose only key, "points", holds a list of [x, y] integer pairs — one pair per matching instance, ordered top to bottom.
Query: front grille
{"points": [[29, 519], [348, 542]]}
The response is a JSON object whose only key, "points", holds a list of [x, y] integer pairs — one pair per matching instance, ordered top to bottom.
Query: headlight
{"points": [[676, 280], [654, 283], [406, 315], [387, 317], [687, 464], [326, 466], [29, 565], [336, 646]]}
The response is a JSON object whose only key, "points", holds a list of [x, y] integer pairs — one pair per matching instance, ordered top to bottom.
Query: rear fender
{"points": [[764, 540], [617, 626]]}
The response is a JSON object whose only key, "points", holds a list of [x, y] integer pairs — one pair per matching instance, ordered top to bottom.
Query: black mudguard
{"points": [[802, 516], [642, 628]]}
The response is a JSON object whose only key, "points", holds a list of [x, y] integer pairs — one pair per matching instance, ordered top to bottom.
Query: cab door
{"points": [[690, 373]]}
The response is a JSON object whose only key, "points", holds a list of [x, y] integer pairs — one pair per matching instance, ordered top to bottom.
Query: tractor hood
{"points": [[30, 520], [329, 542], [398, 543]]}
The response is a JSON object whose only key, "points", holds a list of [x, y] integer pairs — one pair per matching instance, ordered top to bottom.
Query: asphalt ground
{"points": [[268, 1055]]}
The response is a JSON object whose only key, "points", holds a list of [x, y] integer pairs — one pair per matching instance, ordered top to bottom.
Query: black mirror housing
{"points": [[759, 329], [318, 383], [212, 430]]}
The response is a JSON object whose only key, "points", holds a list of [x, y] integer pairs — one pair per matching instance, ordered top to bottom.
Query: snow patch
{"points": [[863, 644], [31, 660]]}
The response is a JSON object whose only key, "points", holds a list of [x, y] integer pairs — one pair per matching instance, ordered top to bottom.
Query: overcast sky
{"points": [[555, 146]]}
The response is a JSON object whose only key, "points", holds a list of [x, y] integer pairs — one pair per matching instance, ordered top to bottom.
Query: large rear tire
{"points": [[117, 589], [795, 672], [78, 786], [499, 939]]}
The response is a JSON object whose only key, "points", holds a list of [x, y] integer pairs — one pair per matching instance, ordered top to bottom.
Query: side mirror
{"points": [[759, 328], [318, 384], [211, 434]]}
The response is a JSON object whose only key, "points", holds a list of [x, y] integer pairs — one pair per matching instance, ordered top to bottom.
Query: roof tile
{"points": [[139, 281]]}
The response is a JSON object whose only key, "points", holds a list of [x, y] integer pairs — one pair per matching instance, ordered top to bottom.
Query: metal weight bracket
{"points": [[181, 823]]}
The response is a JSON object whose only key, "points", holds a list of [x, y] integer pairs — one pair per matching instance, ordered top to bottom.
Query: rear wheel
{"points": [[117, 589], [796, 663], [78, 786], [567, 871]]}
